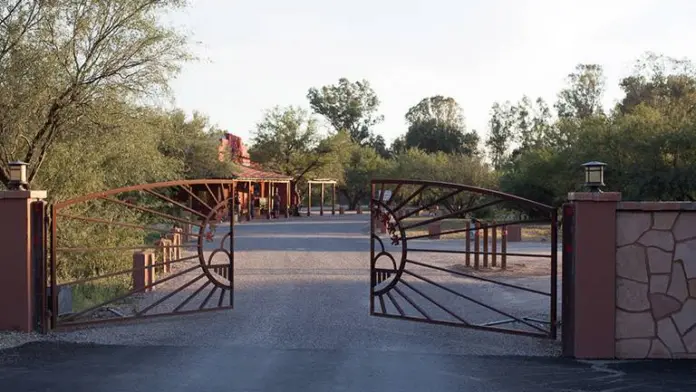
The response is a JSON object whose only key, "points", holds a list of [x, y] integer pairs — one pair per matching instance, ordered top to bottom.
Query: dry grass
{"points": [[530, 232]]}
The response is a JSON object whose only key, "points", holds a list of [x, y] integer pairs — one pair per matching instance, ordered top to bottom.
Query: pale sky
{"points": [[258, 54]]}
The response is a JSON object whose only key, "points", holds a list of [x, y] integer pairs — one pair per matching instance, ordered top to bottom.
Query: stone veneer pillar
{"points": [[656, 280], [17, 292], [593, 307]]}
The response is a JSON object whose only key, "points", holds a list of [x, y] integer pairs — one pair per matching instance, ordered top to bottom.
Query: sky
{"points": [[258, 54]]}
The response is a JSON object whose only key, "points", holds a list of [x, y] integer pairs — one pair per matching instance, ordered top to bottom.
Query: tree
{"points": [[62, 59], [660, 82], [583, 96], [348, 106], [441, 109], [437, 124], [530, 125], [542, 131], [500, 133], [433, 137], [287, 141], [648, 141], [193, 143], [379, 145], [398, 146], [363, 164], [456, 168]]}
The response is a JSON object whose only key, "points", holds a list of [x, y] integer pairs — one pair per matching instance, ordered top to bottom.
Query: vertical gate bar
{"points": [[309, 199], [333, 199], [321, 205], [477, 243], [485, 244], [467, 245], [494, 246], [231, 247], [503, 249], [372, 250], [38, 262], [44, 268], [554, 273], [54, 279], [567, 299]]}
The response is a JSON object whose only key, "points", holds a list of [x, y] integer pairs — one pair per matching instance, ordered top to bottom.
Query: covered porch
{"points": [[257, 194], [261, 194]]}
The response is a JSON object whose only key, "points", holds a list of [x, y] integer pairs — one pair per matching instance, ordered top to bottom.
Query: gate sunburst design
{"points": [[142, 251], [418, 278]]}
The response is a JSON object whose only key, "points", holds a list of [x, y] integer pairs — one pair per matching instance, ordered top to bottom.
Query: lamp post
{"points": [[594, 175], [18, 176]]}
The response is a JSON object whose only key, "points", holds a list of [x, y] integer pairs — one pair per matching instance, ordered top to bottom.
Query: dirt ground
{"points": [[516, 267]]}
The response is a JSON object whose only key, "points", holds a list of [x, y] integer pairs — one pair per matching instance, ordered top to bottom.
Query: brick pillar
{"points": [[514, 233], [589, 289], [17, 291]]}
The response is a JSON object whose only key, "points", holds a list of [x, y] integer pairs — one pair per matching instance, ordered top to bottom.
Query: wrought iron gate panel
{"points": [[141, 251], [414, 277]]}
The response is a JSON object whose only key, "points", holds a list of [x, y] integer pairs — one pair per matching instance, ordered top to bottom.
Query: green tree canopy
{"points": [[62, 60], [348, 106], [436, 124]]}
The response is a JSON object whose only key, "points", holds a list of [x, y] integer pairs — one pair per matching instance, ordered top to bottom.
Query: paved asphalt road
{"points": [[300, 323]]}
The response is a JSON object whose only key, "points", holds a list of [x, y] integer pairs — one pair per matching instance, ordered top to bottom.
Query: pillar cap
{"points": [[23, 194], [594, 196]]}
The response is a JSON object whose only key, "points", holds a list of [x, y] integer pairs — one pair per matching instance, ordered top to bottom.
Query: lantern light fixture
{"points": [[594, 175], [18, 176]]}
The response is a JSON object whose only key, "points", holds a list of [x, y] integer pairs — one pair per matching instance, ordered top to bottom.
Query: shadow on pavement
{"points": [[64, 367]]}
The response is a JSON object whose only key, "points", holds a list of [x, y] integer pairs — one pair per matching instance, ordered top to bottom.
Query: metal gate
{"points": [[141, 251], [458, 265]]}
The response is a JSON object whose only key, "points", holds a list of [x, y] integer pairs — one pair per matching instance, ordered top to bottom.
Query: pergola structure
{"points": [[323, 182]]}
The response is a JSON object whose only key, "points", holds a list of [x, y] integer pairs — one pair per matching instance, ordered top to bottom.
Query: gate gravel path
{"points": [[300, 323]]}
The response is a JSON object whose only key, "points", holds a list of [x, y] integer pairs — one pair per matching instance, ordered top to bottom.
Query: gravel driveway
{"points": [[301, 323]]}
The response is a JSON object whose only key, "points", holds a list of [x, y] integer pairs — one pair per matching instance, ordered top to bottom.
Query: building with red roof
{"points": [[267, 188], [257, 192]]}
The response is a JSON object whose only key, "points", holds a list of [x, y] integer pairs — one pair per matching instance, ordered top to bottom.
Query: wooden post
{"points": [[220, 192], [288, 195], [271, 196], [309, 199], [269, 200], [249, 202], [321, 206], [477, 243], [485, 244], [467, 245], [494, 246], [164, 249], [503, 249], [143, 272], [152, 275], [139, 278]]}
